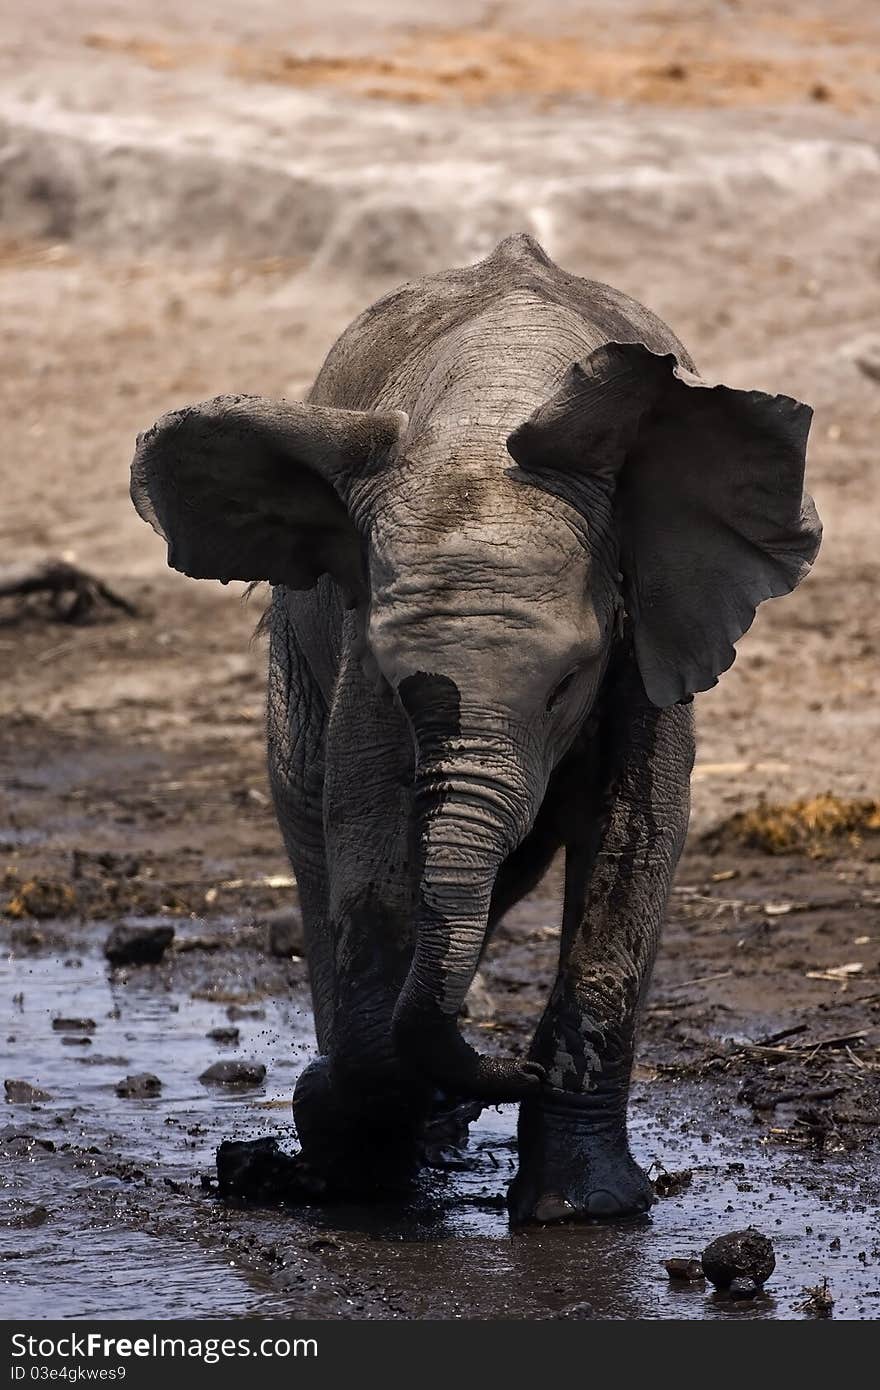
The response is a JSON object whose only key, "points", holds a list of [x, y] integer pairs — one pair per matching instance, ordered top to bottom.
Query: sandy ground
{"points": [[197, 201]]}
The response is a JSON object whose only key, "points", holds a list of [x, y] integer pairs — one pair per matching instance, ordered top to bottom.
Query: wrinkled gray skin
{"points": [[510, 535]]}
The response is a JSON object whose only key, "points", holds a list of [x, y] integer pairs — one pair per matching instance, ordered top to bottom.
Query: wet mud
{"points": [[755, 1104]]}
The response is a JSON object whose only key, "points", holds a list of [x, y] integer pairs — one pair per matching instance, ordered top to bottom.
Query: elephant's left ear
{"points": [[710, 501]]}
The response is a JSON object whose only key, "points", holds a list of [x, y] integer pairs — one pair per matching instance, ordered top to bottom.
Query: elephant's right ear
{"points": [[247, 488]]}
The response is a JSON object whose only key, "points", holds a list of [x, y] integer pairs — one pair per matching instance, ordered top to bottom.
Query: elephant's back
{"points": [[379, 359]]}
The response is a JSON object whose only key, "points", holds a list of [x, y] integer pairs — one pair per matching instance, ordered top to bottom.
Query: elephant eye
{"points": [[565, 684]]}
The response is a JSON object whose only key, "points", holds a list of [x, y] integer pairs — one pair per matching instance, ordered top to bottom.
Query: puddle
{"points": [[128, 1231], [454, 1256], [119, 1273]]}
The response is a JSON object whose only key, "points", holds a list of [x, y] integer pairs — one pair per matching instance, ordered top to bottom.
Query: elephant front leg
{"points": [[358, 1112], [574, 1156]]}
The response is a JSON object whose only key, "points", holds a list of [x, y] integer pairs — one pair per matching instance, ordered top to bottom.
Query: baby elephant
{"points": [[510, 534]]}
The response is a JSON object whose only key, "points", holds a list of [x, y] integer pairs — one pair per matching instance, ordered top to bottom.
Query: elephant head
{"points": [[489, 597]]}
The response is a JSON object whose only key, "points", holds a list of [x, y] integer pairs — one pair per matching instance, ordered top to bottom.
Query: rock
{"points": [[286, 936], [139, 945], [236, 1011], [74, 1025], [226, 1037], [234, 1074], [143, 1085], [23, 1093], [740, 1255], [684, 1269], [576, 1312]]}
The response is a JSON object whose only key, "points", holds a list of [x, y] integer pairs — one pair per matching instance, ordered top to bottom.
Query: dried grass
{"points": [[816, 826]]}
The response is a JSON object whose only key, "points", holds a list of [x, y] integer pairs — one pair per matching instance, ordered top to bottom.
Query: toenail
{"points": [[603, 1203], [553, 1208]]}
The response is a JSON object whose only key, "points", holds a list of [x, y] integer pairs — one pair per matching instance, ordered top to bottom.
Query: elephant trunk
{"points": [[473, 807]]}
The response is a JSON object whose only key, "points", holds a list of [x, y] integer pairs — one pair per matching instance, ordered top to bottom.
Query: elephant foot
{"points": [[358, 1135], [575, 1163], [611, 1186]]}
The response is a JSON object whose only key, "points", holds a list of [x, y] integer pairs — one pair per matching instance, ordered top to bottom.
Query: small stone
{"points": [[139, 945], [74, 1025], [226, 1037], [234, 1074], [143, 1085], [23, 1093], [740, 1255], [682, 1269], [576, 1312]]}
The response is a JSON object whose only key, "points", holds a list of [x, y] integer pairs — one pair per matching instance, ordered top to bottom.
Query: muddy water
{"points": [[112, 1221]]}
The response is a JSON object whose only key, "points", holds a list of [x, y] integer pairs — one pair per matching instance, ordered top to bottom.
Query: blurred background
{"points": [[195, 199]]}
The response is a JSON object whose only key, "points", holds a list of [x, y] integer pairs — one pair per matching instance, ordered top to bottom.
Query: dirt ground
{"points": [[196, 201]]}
